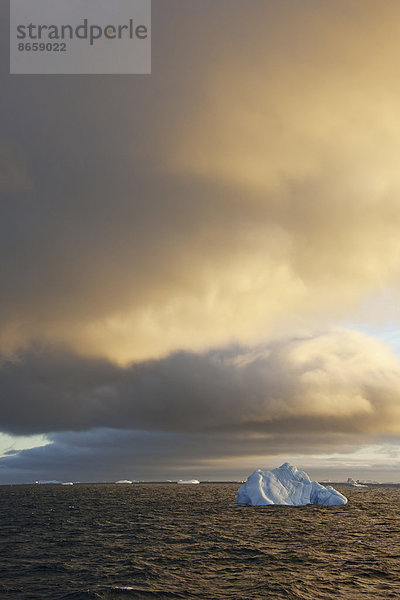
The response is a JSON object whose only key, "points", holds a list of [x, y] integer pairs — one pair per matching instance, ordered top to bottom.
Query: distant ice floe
{"points": [[124, 481], [188, 481], [45, 482], [54, 482], [353, 483], [288, 486]]}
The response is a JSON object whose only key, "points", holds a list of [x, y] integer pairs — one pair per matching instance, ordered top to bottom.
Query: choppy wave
{"points": [[181, 542]]}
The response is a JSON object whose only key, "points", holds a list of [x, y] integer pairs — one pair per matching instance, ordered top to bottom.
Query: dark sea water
{"points": [[172, 541]]}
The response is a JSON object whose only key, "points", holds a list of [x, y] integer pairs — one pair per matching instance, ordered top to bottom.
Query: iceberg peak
{"points": [[286, 485]]}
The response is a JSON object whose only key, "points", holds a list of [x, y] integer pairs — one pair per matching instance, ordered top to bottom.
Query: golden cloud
{"points": [[270, 202]]}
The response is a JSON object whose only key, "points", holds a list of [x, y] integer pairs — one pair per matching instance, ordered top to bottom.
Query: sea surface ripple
{"points": [[165, 541]]}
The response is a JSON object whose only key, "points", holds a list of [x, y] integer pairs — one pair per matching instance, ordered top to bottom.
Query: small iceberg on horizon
{"points": [[124, 481], [188, 481], [350, 481], [47, 482], [288, 486]]}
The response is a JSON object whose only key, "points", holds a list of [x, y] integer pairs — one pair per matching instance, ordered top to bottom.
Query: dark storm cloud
{"points": [[340, 381], [218, 414], [109, 455]]}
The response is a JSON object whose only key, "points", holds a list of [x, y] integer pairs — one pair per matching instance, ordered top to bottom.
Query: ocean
{"points": [[168, 541]]}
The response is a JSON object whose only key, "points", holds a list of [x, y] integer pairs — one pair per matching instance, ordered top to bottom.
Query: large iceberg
{"points": [[286, 485]]}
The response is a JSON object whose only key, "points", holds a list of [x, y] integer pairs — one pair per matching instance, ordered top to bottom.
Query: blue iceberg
{"points": [[288, 486]]}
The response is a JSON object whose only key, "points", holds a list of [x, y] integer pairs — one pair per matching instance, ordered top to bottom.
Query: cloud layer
{"points": [[185, 211], [337, 382], [218, 412]]}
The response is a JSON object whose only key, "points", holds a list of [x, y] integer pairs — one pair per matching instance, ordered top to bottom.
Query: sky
{"points": [[200, 267]]}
